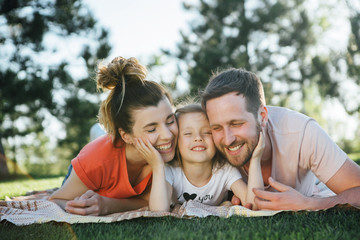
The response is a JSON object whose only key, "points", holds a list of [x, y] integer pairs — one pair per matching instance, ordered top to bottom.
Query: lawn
{"points": [[330, 224]]}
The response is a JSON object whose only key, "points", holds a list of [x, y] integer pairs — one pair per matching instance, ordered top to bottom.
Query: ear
{"points": [[263, 114], [125, 136]]}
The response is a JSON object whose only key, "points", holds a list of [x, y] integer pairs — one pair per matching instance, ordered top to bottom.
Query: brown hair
{"points": [[125, 78], [236, 80], [217, 161]]}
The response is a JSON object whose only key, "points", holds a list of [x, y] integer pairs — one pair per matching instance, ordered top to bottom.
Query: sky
{"points": [[140, 28]]}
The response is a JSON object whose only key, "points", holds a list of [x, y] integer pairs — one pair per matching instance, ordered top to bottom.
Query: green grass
{"points": [[18, 187], [331, 224]]}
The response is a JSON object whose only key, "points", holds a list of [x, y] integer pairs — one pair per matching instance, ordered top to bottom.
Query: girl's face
{"points": [[158, 124], [195, 139]]}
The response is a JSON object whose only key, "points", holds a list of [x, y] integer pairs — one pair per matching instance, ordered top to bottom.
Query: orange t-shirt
{"points": [[102, 168]]}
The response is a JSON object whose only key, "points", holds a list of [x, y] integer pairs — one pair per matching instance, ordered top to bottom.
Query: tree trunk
{"points": [[4, 171]]}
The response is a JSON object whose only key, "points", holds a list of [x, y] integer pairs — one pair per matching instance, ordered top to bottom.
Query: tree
{"points": [[276, 39], [48, 50], [353, 55], [4, 171]]}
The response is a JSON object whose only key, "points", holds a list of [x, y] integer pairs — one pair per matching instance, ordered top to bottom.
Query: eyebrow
{"points": [[155, 123]]}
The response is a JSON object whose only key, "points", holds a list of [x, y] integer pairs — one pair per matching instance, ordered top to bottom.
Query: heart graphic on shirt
{"points": [[188, 196]]}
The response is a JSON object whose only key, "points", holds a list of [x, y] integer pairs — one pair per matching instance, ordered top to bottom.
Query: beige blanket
{"points": [[36, 209]]}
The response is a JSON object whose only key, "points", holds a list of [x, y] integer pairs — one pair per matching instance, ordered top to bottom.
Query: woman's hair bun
{"points": [[119, 71]]}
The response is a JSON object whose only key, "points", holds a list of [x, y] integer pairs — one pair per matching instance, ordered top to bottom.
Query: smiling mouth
{"points": [[164, 147], [198, 149], [233, 149]]}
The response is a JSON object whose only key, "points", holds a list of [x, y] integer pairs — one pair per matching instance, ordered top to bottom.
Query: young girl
{"points": [[200, 174], [109, 175]]}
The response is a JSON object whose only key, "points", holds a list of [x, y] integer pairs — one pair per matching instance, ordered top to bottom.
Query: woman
{"points": [[109, 175]]}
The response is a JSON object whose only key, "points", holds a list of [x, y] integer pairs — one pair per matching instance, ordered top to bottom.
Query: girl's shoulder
{"points": [[173, 167], [224, 167], [173, 173]]}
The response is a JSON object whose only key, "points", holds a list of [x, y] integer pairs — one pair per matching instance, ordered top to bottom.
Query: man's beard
{"points": [[248, 151]]}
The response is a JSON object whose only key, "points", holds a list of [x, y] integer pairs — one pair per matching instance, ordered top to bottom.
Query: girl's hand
{"points": [[259, 149], [151, 155]]}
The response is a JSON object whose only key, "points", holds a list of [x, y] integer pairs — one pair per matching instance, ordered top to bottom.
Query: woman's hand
{"points": [[151, 155], [159, 199], [90, 203]]}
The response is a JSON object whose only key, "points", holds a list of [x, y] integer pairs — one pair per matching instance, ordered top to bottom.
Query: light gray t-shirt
{"points": [[300, 149], [213, 193]]}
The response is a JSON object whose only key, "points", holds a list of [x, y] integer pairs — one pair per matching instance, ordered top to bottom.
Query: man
{"points": [[297, 149]]}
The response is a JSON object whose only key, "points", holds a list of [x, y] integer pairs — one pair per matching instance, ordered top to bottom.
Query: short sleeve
{"points": [[320, 153], [83, 171], [169, 174], [232, 174]]}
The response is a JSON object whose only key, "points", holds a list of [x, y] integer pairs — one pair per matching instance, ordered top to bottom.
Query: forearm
{"points": [[255, 180], [159, 196], [350, 196], [60, 202], [113, 205]]}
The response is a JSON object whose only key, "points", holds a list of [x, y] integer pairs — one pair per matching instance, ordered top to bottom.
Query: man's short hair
{"points": [[235, 80]]}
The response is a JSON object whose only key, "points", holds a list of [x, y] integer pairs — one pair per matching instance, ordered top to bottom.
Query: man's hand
{"points": [[286, 199], [90, 203]]}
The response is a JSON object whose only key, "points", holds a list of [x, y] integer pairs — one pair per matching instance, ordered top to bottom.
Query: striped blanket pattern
{"points": [[25, 212]]}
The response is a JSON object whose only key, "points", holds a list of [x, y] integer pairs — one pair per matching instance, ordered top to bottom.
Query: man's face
{"points": [[234, 129]]}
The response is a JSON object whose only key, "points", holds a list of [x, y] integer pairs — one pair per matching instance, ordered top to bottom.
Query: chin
{"points": [[168, 157], [234, 161]]}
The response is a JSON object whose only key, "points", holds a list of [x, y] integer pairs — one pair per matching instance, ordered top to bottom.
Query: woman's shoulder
{"points": [[102, 144], [99, 150]]}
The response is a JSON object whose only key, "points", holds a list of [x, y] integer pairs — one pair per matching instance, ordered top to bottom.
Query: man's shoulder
{"points": [[275, 111], [284, 119]]}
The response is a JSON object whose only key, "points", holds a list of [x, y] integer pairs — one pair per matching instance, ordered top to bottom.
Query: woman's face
{"points": [[158, 124]]}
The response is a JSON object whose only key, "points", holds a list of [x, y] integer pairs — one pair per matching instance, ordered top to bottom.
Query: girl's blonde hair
{"points": [[125, 78], [218, 161]]}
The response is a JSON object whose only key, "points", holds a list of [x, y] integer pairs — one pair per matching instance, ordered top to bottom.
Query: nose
{"points": [[165, 133], [229, 137], [198, 138]]}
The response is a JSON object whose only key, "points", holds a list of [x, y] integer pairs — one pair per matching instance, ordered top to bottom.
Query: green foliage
{"points": [[282, 41], [49, 53], [353, 54]]}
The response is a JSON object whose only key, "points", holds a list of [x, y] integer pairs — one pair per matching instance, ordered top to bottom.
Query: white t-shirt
{"points": [[300, 149], [213, 193]]}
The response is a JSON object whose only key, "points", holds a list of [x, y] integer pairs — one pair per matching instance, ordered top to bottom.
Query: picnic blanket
{"points": [[36, 208]]}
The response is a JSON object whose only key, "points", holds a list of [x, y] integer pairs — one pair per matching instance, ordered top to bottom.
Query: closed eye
{"points": [[171, 122], [237, 124], [215, 128], [151, 130]]}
